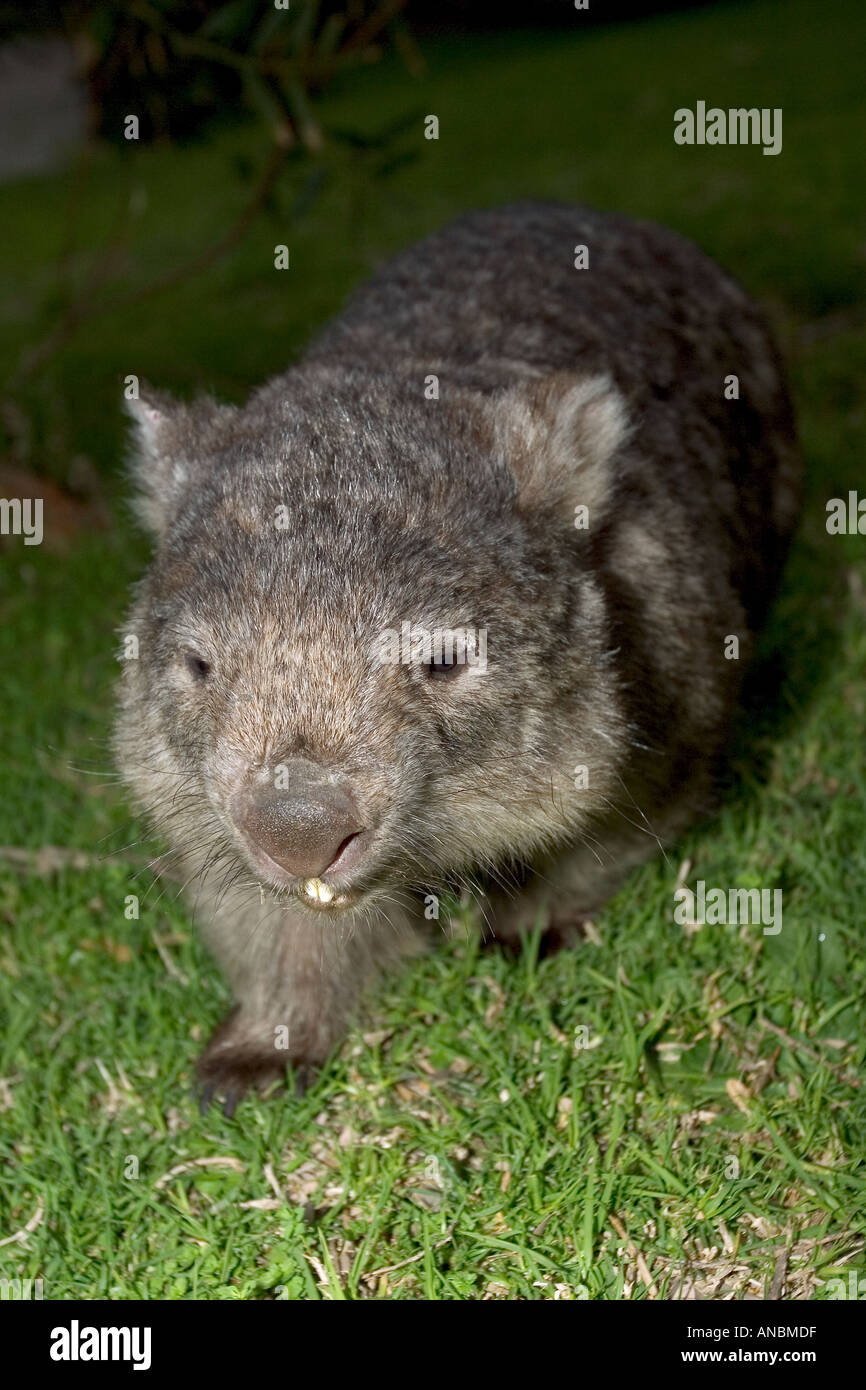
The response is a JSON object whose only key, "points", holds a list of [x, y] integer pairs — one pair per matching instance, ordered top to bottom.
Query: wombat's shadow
{"points": [[796, 653]]}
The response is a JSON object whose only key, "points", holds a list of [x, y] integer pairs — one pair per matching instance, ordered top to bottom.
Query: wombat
{"points": [[449, 604]]}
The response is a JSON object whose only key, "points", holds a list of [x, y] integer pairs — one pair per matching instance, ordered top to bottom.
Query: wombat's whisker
{"points": [[645, 829]]}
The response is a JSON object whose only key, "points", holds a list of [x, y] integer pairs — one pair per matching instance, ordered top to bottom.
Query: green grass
{"points": [[713, 1130]]}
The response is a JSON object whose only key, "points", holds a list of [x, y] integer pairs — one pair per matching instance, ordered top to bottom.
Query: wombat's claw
{"points": [[229, 1067], [227, 1075], [305, 1075], [208, 1094], [205, 1096], [230, 1104]]}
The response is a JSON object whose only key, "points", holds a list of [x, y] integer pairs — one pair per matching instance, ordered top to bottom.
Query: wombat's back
{"points": [[496, 297]]}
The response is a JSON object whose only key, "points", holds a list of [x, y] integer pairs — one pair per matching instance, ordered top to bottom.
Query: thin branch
{"points": [[86, 307]]}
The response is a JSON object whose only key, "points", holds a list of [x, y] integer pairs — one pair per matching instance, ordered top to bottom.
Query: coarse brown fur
{"points": [[348, 498]]}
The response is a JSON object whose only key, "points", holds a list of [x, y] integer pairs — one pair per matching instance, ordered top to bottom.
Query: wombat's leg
{"points": [[563, 893], [296, 980], [237, 1060]]}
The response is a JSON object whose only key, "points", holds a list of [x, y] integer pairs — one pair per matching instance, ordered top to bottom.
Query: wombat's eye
{"points": [[197, 666], [445, 670]]}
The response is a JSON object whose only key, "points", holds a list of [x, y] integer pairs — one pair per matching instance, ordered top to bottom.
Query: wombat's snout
{"points": [[302, 821]]}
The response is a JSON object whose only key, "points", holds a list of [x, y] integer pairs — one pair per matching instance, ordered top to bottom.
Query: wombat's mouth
{"points": [[314, 893], [318, 894]]}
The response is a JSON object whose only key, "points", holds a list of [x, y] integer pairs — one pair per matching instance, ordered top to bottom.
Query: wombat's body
{"points": [[314, 792]]}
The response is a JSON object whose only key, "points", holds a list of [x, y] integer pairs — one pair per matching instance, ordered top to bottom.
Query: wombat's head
{"points": [[370, 652]]}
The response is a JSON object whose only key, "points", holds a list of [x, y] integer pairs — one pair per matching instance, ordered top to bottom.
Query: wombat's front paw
{"points": [[561, 932], [565, 932], [234, 1063], [230, 1073]]}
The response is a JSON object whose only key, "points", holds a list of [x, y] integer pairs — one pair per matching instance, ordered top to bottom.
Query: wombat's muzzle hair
{"points": [[300, 819]]}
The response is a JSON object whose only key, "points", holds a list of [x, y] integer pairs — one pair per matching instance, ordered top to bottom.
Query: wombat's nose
{"points": [[301, 821]]}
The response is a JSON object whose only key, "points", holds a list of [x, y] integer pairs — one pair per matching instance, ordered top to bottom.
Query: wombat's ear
{"points": [[560, 437], [169, 441]]}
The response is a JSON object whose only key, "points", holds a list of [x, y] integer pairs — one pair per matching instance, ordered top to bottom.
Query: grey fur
{"points": [[558, 387]]}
